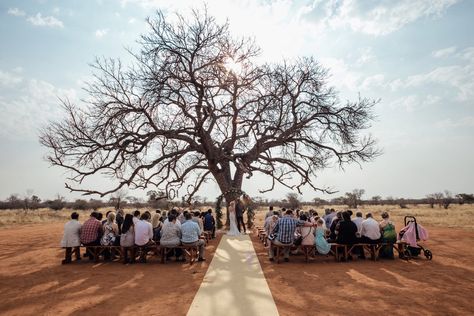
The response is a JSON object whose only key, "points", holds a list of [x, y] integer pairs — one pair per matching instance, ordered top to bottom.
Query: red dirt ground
{"points": [[32, 281], [443, 286]]}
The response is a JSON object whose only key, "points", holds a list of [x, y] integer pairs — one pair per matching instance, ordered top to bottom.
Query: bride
{"points": [[233, 231]]}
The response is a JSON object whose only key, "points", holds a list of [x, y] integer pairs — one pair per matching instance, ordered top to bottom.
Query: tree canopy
{"points": [[195, 105]]}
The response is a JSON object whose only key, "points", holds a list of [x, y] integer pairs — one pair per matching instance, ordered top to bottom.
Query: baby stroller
{"points": [[409, 236]]}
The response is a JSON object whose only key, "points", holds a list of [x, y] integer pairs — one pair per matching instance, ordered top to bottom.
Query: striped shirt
{"points": [[285, 229], [91, 230]]}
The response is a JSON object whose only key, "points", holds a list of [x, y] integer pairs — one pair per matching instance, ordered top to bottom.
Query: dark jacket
{"points": [[239, 209], [347, 233]]}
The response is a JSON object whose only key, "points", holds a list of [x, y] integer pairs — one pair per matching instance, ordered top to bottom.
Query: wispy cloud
{"points": [[16, 12], [385, 17], [38, 19], [49, 21], [101, 33], [444, 52], [8, 79], [28, 105], [467, 121]]}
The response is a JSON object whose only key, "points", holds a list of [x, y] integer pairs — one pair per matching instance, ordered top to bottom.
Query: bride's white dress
{"points": [[233, 230]]}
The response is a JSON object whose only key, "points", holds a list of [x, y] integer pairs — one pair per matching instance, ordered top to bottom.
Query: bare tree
{"points": [[195, 106], [293, 199], [353, 199], [376, 200]]}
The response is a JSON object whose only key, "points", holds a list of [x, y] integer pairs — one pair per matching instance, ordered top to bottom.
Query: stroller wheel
{"points": [[406, 254], [428, 254]]}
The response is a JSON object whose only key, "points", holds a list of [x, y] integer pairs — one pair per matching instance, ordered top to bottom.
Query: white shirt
{"points": [[135, 220], [358, 221], [370, 229], [143, 232], [71, 235]]}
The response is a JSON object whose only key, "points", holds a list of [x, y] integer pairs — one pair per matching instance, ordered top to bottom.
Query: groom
{"points": [[239, 214]]}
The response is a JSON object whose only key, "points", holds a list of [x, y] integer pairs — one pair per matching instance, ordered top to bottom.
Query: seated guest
{"points": [[270, 212], [176, 214], [106, 215], [164, 215], [100, 216], [119, 216], [136, 217], [328, 218], [197, 220], [358, 221], [210, 223], [270, 223], [157, 226], [333, 226], [110, 229], [370, 230], [91, 232], [307, 232], [190, 233], [285, 233], [346, 233], [144, 234], [389, 235], [171, 237], [71, 238], [127, 239], [322, 246]]}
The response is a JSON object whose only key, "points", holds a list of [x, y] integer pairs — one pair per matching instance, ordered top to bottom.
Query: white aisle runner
{"points": [[234, 283]]}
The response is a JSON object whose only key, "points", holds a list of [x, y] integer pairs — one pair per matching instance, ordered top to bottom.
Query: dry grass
{"points": [[457, 216]]}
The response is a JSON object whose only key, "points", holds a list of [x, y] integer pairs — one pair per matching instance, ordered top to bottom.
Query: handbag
{"points": [[298, 240]]}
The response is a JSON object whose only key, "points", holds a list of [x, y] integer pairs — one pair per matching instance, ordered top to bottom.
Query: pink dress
{"points": [[308, 236]]}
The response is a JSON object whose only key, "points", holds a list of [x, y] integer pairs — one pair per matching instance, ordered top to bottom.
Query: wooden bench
{"points": [[278, 249], [98, 250], [191, 251]]}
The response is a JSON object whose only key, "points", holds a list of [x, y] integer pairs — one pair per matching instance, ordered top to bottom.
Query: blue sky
{"points": [[416, 56]]}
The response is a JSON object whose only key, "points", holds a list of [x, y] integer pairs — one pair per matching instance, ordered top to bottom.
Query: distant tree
{"points": [[197, 105], [465, 198], [353, 199], [376, 199], [447, 199], [293, 200], [390, 200], [431, 200], [35, 202], [319, 202], [402, 203], [56, 204], [80, 204]]}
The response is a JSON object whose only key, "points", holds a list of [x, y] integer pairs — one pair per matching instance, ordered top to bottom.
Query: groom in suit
{"points": [[239, 215]]}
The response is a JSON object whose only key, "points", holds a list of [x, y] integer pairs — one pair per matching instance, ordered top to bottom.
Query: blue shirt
{"points": [[208, 221], [285, 229], [190, 232]]}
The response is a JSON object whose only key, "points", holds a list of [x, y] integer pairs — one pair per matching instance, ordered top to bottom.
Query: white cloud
{"points": [[16, 12], [386, 17], [40, 20], [131, 20], [101, 33], [444, 52], [467, 54], [366, 56], [458, 77], [8, 79], [375, 81], [414, 102], [27, 107], [467, 121]]}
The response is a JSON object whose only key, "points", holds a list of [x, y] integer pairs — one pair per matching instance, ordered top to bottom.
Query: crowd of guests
{"points": [[298, 228], [138, 230]]}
